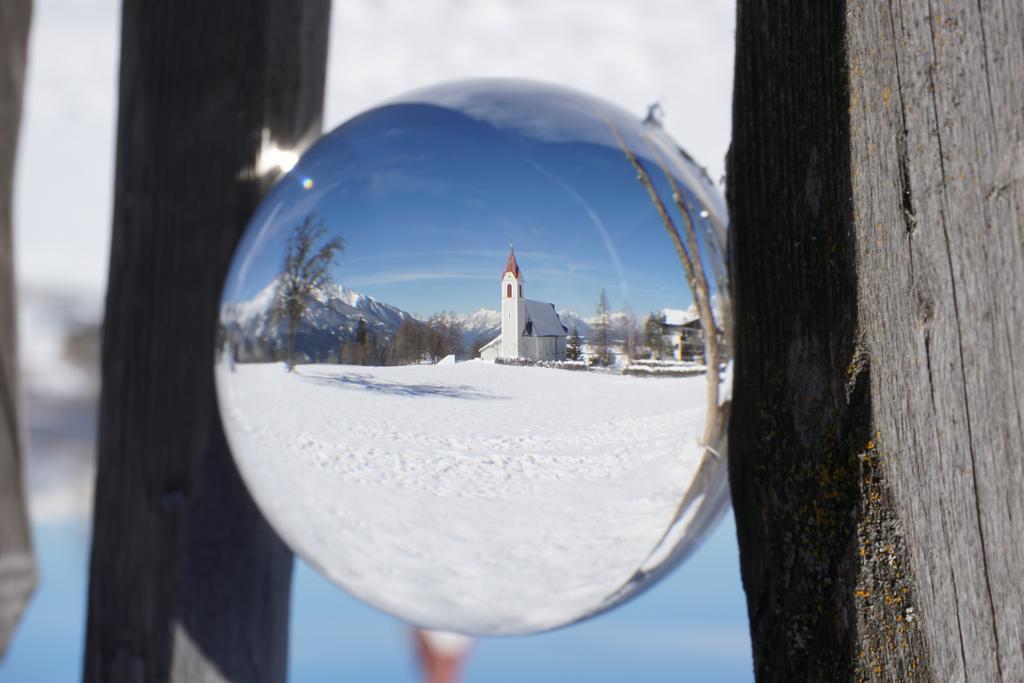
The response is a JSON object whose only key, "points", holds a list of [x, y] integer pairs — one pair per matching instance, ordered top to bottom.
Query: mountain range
{"points": [[332, 316], [485, 324]]}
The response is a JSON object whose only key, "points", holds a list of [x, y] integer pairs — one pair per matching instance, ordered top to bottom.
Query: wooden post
{"points": [[876, 193], [17, 566], [187, 581]]}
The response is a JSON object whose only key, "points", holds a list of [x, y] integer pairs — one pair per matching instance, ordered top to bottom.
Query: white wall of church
{"points": [[513, 316], [543, 348], [490, 352]]}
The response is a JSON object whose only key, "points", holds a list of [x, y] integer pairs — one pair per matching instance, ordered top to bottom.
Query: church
{"points": [[530, 329]]}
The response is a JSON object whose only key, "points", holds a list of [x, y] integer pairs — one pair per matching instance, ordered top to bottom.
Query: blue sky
{"points": [[427, 200], [690, 626]]}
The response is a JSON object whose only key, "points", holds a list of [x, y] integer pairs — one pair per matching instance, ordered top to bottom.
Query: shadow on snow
{"points": [[370, 383]]}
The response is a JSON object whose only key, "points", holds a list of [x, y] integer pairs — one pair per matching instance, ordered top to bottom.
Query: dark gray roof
{"points": [[542, 320]]}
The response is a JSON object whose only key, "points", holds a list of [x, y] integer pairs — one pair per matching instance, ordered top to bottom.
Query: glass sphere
{"points": [[473, 356]]}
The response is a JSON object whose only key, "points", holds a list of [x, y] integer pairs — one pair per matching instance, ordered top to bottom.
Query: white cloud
{"points": [[627, 51], [631, 53], [64, 182], [396, 277]]}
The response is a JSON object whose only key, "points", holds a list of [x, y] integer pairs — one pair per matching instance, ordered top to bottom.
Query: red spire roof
{"points": [[511, 266]]}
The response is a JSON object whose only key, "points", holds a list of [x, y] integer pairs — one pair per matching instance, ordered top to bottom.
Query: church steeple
{"points": [[511, 266], [513, 307]]}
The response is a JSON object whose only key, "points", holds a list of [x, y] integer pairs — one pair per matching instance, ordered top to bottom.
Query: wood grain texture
{"points": [[937, 109], [877, 200], [822, 555], [17, 565], [187, 581]]}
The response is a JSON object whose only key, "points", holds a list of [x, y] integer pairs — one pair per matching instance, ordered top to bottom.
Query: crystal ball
{"points": [[473, 356]]}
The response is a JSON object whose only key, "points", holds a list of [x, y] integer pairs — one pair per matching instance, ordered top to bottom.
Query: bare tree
{"points": [[876, 186], [685, 243], [305, 269], [630, 333], [445, 336], [410, 343], [478, 344], [17, 566]]}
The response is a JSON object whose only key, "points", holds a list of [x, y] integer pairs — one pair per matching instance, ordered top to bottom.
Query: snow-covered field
{"points": [[470, 496]]}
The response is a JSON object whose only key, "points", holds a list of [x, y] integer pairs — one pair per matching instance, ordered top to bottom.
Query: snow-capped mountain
{"points": [[333, 314], [331, 318], [572, 320], [483, 325]]}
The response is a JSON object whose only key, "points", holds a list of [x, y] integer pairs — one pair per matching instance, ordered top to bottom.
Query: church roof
{"points": [[511, 266], [542, 320]]}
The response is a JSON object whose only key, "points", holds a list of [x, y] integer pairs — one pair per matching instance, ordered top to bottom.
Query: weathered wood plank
{"points": [[938, 144], [877, 203], [822, 555], [17, 565], [187, 581]]}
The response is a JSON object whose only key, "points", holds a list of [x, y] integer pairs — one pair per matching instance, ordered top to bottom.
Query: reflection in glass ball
{"points": [[467, 352]]}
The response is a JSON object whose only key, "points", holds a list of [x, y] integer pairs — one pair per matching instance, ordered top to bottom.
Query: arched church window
{"points": [[508, 291]]}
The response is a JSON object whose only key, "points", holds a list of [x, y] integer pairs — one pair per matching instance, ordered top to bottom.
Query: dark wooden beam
{"points": [[187, 581]]}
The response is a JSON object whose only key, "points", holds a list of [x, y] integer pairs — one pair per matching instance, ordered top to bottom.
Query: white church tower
{"points": [[513, 309]]}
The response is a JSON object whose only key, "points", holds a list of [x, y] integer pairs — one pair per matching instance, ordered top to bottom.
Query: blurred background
{"points": [[692, 626]]}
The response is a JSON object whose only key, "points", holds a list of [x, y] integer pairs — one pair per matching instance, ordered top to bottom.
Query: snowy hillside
{"points": [[331, 318], [468, 496]]}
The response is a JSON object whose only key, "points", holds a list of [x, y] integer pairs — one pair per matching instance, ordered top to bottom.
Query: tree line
{"points": [[414, 341]]}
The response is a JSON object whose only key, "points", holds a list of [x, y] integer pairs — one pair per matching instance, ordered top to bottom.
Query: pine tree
{"points": [[653, 334], [362, 339], [574, 347], [602, 353]]}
